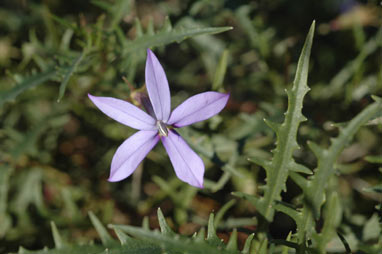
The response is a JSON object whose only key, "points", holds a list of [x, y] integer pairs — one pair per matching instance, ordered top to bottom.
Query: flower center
{"points": [[162, 128]]}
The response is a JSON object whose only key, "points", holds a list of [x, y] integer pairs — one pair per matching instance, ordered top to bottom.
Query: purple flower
{"points": [[158, 124]]}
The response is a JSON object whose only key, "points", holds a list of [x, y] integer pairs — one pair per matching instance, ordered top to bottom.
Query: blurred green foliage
{"points": [[56, 148]]}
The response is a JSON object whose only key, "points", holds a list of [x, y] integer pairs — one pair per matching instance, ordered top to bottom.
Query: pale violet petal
{"points": [[157, 87], [198, 108], [124, 112], [128, 155], [188, 165]]}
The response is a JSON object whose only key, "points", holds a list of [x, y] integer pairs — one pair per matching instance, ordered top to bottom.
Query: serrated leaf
{"points": [[165, 37], [220, 71], [68, 73], [26, 84], [273, 125], [287, 134], [318, 151], [328, 158], [374, 159], [264, 163], [299, 168], [299, 180], [376, 188], [251, 198], [222, 211], [290, 211], [333, 217], [164, 227], [372, 229], [200, 236], [122, 237], [212, 238], [106, 239], [58, 242], [232, 242], [174, 244], [248, 244]]}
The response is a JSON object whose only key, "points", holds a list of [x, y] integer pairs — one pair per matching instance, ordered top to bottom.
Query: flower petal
{"points": [[157, 87], [198, 108], [124, 112], [128, 155], [188, 165]]}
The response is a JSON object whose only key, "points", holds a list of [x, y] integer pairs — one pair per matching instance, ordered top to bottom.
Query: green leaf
{"points": [[165, 37], [220, 71], [68, 73], [26, 84], [327, 158], [374, 159], [278, 169], [222, 211], [290, 211], [5, 220], [164, 227], [372, 229], [123, 238], [212, 238], [106, 239], [58, 242], [232, 242], [174, 244], [248, 244]]}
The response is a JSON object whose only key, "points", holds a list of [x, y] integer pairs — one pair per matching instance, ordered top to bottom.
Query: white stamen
{"points": [[162, 128]]}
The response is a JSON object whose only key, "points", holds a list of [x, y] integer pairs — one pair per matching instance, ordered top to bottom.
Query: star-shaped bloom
{"points": [[158, 124]]}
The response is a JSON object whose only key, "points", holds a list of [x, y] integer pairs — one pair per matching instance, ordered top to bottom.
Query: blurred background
{"points": [[56, 147]]}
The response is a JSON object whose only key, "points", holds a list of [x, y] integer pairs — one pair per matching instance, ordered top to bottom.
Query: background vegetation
{"points": [[56, 147]]}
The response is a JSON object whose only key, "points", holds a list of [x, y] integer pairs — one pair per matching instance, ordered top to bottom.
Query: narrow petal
{"points": [[157, 87], [198, 108], [124, 112], [128, 155], [188, 165]]}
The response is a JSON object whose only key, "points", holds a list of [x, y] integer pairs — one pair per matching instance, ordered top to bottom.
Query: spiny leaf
{"points": [[118, 11], [166, 37], [69, 71], [220, 71], [26, 84], [273, 125], [287, 134], [316, 149], [328, 158], [374, 159], [264, 163], [296, 167], [299, 180], [252, 199], [288, 210], [222, 211], [332, 220], [5, 221], [145, 223], [164, 227], [200, 236], [123, 238], [212, 238], [106, 239], [58, 242], [232, 242], [174, 243], [247, 244], [285, 248]]}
